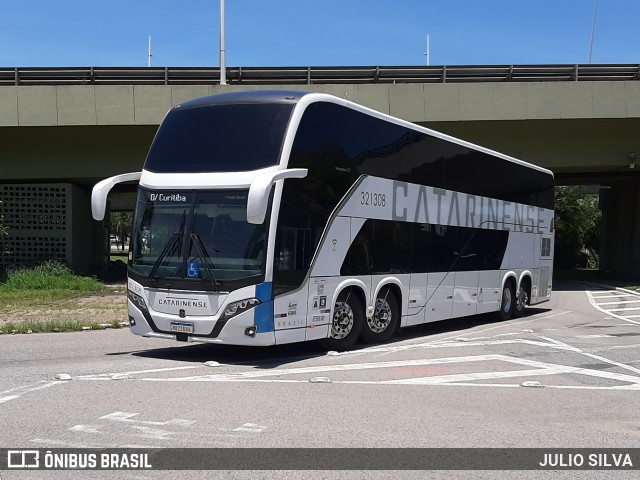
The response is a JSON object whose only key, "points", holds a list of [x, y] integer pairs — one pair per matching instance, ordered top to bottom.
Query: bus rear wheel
{"points": [[522, 299], [508, 301], [384, 322], [346, 323]]}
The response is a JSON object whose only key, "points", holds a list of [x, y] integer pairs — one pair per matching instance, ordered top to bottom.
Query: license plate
{"points": [[182, 327]]}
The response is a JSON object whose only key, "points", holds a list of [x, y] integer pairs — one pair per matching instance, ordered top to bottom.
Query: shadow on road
{"points": [[575, 286], [275, 356]]}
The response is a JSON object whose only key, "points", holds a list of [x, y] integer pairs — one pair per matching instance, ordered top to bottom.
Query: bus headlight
{"points": [[138, 301], [236, 308]]}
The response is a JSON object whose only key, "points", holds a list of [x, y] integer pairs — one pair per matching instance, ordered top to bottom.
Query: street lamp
{"points": [[593, 30], [223, 59]]}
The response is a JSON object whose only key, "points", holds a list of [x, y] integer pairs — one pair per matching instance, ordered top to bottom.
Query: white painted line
{"points": [[617, 295], [621, 302], [595, 305], [626, 309], [595, 336], [559, 344], [598, 357], [612, 362], [331, 368], [536, 369], [135, 372], [462, 377], [19, 391], [9, 398], [127, 417]]}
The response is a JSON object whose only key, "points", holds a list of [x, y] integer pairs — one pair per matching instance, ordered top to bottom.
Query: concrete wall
{"points": [[433, 102]]}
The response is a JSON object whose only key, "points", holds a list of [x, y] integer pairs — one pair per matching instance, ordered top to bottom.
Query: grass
{"points": [[50, 276], [51, 298], [48, 326]]}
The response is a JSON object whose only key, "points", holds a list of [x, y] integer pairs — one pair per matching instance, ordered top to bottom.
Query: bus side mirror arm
{"points": [[260, 190], [101, 191]]}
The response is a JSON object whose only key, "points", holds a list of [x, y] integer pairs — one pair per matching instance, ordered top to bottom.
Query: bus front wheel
{"points": [[508, 301], [384, 322], [346, 323]]}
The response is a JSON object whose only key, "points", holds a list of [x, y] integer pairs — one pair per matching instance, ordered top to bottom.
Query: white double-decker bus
{"points": [[272, 217]]}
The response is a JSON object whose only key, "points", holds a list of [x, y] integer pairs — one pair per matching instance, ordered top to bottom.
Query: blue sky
{"points": [[316, 32]]}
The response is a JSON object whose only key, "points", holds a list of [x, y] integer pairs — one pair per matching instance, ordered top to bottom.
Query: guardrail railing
{"points": [[316, 75]]}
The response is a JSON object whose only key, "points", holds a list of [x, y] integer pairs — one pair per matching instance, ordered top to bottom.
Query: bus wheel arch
{"points": [[523, 296], [508, 298], [347, 319], [385, 320]]}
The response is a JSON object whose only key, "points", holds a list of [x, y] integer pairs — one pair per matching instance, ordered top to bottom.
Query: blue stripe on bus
{"points": [[263, 292], [263, 314], [263, 317]]}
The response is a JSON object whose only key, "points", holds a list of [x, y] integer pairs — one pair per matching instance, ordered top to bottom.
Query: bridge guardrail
{"points": [[316, 75]]}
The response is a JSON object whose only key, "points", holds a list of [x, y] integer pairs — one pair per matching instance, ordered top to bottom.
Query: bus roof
{"points": [[247, 96], [296, 96]]}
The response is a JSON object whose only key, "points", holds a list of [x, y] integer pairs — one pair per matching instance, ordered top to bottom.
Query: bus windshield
{"points": [[219, 138], [184, 238]]}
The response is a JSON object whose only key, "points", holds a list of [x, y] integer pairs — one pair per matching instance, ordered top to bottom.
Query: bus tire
{"points": [[522, 298], [507, 301], [386, 317], [346, 323]]}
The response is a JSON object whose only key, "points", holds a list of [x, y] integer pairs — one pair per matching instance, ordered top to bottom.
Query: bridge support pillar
{"points": [[620, 236]]}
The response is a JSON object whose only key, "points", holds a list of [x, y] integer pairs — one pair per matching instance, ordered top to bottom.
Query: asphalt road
{"points": [[565, 375]]}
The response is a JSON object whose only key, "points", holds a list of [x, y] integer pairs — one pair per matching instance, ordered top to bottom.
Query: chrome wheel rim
{"points": [[522, 299], [506, 300], [381, 317], [342, 321]]}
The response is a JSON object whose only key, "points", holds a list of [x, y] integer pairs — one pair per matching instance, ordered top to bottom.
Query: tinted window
{"points": [[222, 138], [340, 144], [384, 246]]}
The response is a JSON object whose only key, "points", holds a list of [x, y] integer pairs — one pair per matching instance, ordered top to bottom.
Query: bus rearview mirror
{"points": [[261, 188], [101, 191]]}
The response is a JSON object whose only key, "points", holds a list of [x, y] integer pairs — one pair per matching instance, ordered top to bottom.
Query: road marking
{"points": [[617, 295], [619, 302], [594, 304], [602, 335], [535, 369], [109, 376], [17, 392], [128, 418], [250, 427]]}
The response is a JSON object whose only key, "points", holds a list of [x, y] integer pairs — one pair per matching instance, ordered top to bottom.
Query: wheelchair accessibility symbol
{"points": [[193, 270]]}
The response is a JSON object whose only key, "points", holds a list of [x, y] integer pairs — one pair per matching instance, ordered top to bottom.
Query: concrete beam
{"points": [[432, 102]]}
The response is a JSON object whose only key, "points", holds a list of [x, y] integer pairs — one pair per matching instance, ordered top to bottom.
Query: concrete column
{"points": [[620, 236]]}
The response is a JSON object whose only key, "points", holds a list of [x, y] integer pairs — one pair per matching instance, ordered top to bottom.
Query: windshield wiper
{"points": [[173, 243], [204, 256]]}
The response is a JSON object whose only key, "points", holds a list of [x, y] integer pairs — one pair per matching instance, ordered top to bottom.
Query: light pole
{"points": [[593, 30], [428, 52], [149, 54], [223, 59]]}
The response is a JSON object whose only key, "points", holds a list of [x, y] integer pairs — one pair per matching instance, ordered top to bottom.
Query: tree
{"points": [[577, 222], [121, 226]]}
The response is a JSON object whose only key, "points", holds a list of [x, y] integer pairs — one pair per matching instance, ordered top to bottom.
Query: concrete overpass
{"points": [[62, 130]]}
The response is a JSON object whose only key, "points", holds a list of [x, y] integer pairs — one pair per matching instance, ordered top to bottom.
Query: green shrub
{"points": [[50, 275]]}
